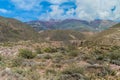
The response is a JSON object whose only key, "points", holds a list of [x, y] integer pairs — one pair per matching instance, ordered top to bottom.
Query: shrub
{"points": [[50, 50], [38, 51], [73, 53], [27, 54], [98, 55], [115, 55], [47, 56], [0, 58], [57, 58], [17, 62], [73, 69], [50, 71], [106, 71], [72, 73]]}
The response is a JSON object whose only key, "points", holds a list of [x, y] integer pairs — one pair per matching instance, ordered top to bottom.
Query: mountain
{"points": [[72, 24], [14, 30], [110, 36]]}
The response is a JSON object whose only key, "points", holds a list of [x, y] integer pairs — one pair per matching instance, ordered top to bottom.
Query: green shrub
{"points": [[50, 50], [38, 51], [73, 53], [27, 54], [98, 55], [115, 55], [47, 56], [0, 58], [17, 62], [73, 69], [19, 71], [50, 71], [106, 71], [72, 73]]}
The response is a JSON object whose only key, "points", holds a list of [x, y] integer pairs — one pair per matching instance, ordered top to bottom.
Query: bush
{"points": [[50, 50], [38, 51], [73, 53], [27, 54], [115, 55], [47, 56], [0, 58], [17, 62], [73, 69], [50, 71], [106, 71], [72, 73]]}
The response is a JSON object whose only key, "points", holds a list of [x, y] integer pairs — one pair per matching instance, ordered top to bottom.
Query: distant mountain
{"points": [[72, 24], [14, 30]]}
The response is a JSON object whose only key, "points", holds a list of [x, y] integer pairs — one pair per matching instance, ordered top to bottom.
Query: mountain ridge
{"points": [[72, 24]]}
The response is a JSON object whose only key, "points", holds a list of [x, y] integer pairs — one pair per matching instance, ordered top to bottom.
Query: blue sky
{"points": [[27, 10]]}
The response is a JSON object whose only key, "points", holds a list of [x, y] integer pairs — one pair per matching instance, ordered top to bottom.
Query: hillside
{"points": [[73, 24], [14, 30], [61, 35], [109, 37]]}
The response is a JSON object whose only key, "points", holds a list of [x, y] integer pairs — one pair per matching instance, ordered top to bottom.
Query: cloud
{"points": [[59, 1], [26, 4], [80, 9], [90, 10], [4, 11], [55, 12], [58, 13]]}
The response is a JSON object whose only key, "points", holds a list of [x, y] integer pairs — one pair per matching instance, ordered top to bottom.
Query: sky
{"points": [[28, 10]]}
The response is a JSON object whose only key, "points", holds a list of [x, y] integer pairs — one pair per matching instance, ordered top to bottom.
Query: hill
{"points": [[73, 24], [14, 30], [61, 35], [109, 37]]}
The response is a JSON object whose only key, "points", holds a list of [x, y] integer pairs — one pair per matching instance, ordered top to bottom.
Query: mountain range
{"points": [[72, 24], [14, 30]]}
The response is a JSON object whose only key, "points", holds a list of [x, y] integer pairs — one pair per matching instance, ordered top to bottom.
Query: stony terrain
{"points": [[31, 61]]}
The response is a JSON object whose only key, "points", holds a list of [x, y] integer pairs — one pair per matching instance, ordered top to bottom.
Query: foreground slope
{"points": [[14, 30]]}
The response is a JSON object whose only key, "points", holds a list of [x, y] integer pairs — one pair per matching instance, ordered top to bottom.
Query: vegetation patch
{"points": [[27, 54]]}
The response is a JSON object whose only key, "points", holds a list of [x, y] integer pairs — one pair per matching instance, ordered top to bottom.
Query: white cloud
{"points": [[59, 1], [26, 4], [32, 4], [86, 9], [91, 9], [4, 11], [70, 11], [55, 13], [58, 13]]}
